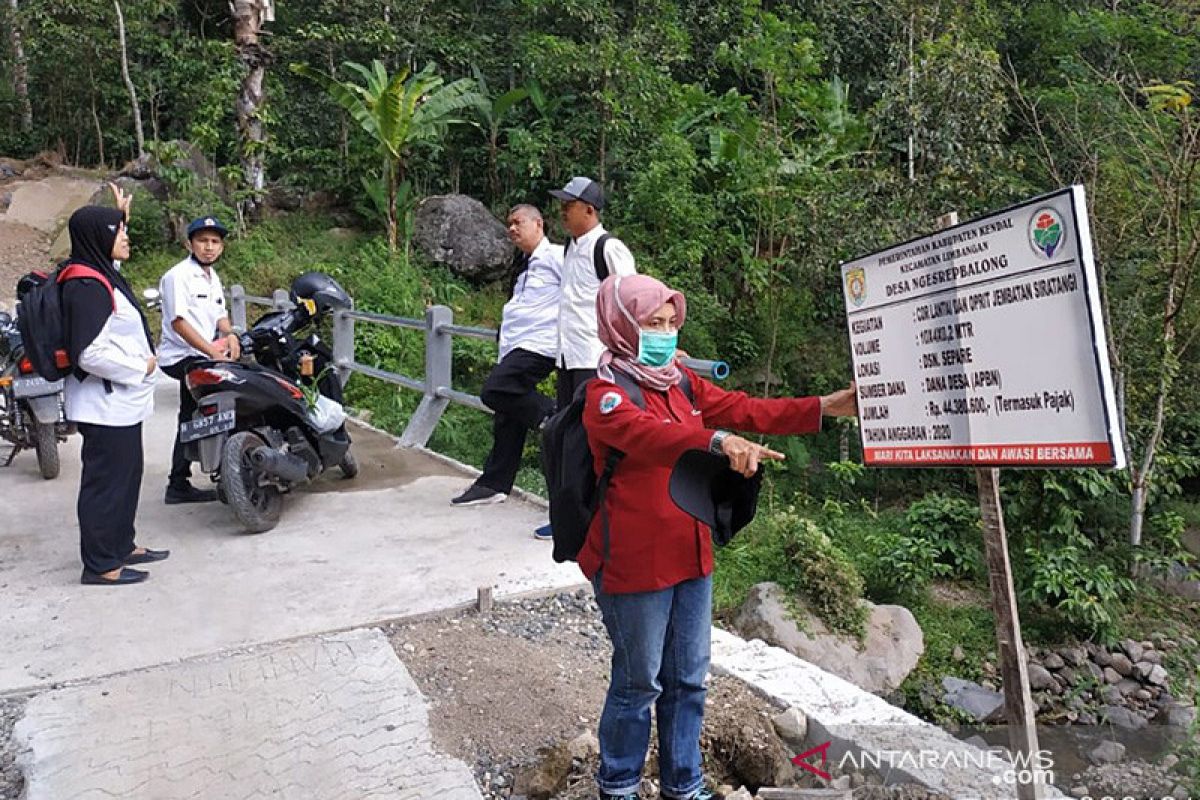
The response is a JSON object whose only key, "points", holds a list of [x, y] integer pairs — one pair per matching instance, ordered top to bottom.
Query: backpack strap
{"points": [[598, 261], [72, 271]]}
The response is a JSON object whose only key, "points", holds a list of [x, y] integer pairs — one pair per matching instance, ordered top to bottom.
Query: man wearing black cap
{"points": [[591, 256], [195, 326]]}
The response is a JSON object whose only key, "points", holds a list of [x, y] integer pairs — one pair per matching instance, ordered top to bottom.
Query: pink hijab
{"points": [[622, 305]]}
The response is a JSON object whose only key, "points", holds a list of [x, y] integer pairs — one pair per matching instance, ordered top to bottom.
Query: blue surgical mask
{"points": [[656, 349]]}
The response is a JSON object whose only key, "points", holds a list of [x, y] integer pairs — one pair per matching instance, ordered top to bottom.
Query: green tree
{"points": [[398, 112]]}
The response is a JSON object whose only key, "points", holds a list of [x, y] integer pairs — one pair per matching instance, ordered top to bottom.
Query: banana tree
{"points": [[493, 110], [397, 112]]}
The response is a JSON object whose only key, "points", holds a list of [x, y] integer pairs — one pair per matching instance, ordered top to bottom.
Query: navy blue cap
{"points": [[206, 224]]}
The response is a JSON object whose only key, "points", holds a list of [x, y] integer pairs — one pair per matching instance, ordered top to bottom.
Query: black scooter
{"points": [[31, 408], [264, 428]]}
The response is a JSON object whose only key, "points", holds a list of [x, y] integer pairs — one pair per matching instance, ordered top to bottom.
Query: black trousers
{"points": [[569, 381], [511, 391], [181, 467], [108, 494]]}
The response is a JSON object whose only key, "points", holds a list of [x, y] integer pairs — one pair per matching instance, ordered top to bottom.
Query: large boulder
{"points": [[461, 233], [889, 651]]}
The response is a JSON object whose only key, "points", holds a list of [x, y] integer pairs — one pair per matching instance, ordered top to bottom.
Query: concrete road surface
{"points": [[346, 554]]}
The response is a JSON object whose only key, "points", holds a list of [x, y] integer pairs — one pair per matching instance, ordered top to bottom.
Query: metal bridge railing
{"points": [[435, 386]]}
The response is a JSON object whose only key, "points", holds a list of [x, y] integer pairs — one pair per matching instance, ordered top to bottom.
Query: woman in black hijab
{"points": [[109, 395]]}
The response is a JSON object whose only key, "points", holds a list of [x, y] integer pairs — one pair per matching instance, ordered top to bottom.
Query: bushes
{"points": [[793, 551]]}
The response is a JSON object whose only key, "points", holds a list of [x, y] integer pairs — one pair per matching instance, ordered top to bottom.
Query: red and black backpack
{"points": [[41, 317]]}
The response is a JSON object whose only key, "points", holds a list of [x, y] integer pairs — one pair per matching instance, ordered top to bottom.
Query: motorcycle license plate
{"points": [[35, 386], [204, 427]]}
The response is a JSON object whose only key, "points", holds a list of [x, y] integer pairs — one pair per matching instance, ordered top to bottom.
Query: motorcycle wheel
{"points": [[46, 446], [348, 465], [256, 507]]}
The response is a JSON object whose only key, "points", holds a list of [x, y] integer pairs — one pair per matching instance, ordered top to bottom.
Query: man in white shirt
{"points": [[591, 256], [195, 327], [528, 344]]}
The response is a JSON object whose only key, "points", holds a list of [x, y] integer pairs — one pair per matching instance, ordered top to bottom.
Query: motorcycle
{"points": [[31, 407], [268, 425]]}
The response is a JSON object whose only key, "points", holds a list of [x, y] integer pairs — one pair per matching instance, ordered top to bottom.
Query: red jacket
{"points": [[652, 544]]}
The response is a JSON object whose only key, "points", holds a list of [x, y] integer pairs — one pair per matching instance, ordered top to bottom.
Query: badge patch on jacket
{"points": [[609, 401]]}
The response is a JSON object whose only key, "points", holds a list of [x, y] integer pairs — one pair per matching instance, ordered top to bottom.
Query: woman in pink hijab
{"points": [[651, 564]]}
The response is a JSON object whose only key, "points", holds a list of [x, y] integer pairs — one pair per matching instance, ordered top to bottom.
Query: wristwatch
{"points": [[715, 443]]}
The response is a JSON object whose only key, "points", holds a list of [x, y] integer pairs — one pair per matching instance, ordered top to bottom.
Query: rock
{"points": [[6, 171], [284, 198], [5, 199], [461, 233], [343, 234], [1132, 649], [890, 650], [957, 654], [1075, 656], [1152, 657], [1102, 658], [1053, 661], [1122, 664], [1094, 670], [1141, 670], [1069, 676], [1111, 676], [1157, 676], [1040, 678], [1128, 686], [1142, 694], [982, 704], [1176, 715], [1122, 717], [1087, 718], [792, 727], [584, 746], [1107, 752], [1169, 761], [547, 777], [841, 782], [1079, 791], [741, 794]]}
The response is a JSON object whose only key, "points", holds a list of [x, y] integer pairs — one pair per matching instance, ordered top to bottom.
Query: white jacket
{"points": [[578, 345], [118, 354]]}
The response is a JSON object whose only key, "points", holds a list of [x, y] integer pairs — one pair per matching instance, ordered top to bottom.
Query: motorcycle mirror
{"points": [[151, 294]]}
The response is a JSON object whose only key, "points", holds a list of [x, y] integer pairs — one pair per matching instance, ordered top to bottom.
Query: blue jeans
{"points": [[661, 643]]}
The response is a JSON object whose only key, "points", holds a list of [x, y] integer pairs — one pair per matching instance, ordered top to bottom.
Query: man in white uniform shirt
{"points": [[591, 256], [195, 327], [528, 344]]}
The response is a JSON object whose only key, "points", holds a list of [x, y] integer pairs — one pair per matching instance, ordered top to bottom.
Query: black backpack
{"points": [[599, 263], [41, 318], [574, 489]]}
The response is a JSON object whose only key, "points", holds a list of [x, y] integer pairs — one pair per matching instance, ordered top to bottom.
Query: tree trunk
{"points": [[248, 18], [20, 76], [133, 99], [393, 221]]}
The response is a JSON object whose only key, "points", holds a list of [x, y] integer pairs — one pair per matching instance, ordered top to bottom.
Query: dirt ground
{"points": [[22, 249]]}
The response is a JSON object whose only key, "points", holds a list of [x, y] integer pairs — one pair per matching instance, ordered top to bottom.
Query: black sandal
{"points": [[89, 578]]}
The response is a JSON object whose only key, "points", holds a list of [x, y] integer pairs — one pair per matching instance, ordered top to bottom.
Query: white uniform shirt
{"points": [[195, 294], [530, 318], [578, 345], [118, 354]]}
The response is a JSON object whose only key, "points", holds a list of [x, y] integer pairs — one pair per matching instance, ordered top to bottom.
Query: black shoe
{"points": [[188, 494], [478, 495], [148, 557], [89, 578]]}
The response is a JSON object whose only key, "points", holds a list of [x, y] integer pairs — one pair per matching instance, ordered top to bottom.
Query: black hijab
{"points": [[93, 231]]}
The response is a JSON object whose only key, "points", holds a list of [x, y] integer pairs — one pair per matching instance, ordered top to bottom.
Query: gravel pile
{"points": [[563, 618], [11, 781]]}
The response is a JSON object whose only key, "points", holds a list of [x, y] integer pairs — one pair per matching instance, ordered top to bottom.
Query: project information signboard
{"points": [[983, 344]]}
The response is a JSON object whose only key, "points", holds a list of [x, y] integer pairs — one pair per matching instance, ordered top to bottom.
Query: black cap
{"points": [[584, 189], [704, 487]]}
